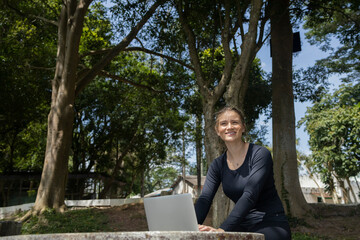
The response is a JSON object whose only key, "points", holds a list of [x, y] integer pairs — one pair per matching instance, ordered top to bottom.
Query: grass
{"points": [[85, 220], [303, 236]]}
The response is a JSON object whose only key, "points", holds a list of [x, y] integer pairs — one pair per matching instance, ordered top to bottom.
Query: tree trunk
{"points": [[66, 85], [237, 87], [235, 90], [284, 141], [198, 143], [214, 147], [119, 159], [311, 175], [142, 182], [357, 183], [332, 188], [51, 190], [351, 190], [344, 193], [3, 195]]}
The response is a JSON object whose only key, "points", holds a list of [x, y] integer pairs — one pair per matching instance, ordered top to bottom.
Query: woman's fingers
{"points": [[204, 228]]}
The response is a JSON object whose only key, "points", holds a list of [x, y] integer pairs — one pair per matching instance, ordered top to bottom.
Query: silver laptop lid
{"points": [[171, 213]]}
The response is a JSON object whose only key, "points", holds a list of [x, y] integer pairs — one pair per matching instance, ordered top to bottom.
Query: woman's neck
{"points": [[235, 147], [236, 152]]}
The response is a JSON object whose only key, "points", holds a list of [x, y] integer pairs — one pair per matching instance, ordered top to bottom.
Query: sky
{"points": [[303, 59]]}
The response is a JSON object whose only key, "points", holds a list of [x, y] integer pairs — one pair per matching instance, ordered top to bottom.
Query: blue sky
{"points": [[307, 57]]}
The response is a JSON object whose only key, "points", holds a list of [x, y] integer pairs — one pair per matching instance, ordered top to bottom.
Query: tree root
{"points": [[37, 212], [26, 217]]}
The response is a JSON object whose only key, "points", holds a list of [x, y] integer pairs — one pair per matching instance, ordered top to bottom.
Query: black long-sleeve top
{"points": [[251, 187]]}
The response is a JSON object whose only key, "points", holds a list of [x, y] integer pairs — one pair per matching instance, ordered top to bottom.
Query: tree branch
{"points": [[19, 12], [225, 37], [261, 38], [142, 49], [95, 52], [42, 68], [200, 78], [121, 79], [239, 80], [81, 83]]}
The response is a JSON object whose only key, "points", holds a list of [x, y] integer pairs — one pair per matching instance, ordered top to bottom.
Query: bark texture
{"points": [[234, 80], [66, 85], [283, 115], [51, 192]]}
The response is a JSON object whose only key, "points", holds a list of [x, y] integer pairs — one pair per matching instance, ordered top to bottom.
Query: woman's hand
{"points": [[204, 228]]}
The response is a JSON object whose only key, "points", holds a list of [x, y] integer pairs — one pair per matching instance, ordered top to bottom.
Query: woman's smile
{"points": [[229, 126]]}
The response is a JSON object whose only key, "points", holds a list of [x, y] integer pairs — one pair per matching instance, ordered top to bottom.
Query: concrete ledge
{"points": [[101, 202], [87, 203], [7, 211], [144, 235]]}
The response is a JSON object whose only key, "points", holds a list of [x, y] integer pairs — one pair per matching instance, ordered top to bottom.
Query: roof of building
{"points": [[190, 180]]}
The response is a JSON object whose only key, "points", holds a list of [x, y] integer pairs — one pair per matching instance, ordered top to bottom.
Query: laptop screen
{"points": [[171, 213]]}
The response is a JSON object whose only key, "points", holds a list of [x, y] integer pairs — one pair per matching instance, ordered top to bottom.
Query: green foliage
{"points": [[327, 20], [97, 33], [26, 60], [311, 83], [257, 98], [142, 117], [116, 119], [334, 128], [29, 155], [161, 177], [86, 220], [304, 236]]}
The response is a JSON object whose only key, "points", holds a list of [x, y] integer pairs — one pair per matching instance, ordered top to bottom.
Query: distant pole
{"points": [[198, 142], [183, 161]]}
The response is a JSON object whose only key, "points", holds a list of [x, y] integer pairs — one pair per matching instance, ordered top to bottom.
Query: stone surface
{"points": [[8, 228], [144, 235]]}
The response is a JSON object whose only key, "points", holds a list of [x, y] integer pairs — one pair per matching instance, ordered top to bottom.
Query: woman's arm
{"points": [[211, 185]]}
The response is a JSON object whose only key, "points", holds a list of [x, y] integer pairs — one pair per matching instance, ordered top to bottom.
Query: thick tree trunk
{"points": [[67, 84], [235, 89], [235, 93], [284, 145], [214, 147], [52, 187], [51, 190]]}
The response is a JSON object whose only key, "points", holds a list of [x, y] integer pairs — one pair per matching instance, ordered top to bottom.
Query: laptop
{"points": [[171, 213]]}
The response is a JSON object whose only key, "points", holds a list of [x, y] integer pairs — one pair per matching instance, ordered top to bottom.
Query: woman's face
{"points": [[229, 126]]}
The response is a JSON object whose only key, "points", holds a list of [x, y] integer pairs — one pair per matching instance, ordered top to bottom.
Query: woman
{"points": [[246, 173]]}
